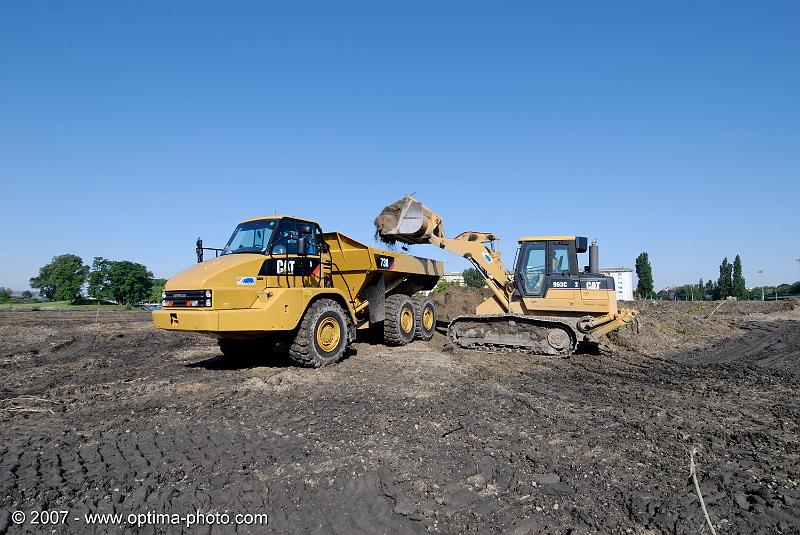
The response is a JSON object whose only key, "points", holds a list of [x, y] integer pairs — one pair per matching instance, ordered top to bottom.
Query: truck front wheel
{"points": [[322, 336]]}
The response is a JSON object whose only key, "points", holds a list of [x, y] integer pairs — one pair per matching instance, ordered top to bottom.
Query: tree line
{"points": [[120, 281], [730, 283]]}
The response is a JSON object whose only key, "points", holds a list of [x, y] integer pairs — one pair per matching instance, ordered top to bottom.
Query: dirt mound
{"points": [[387, 220], [459, 301], [719, 308], [667, 327], [769, 344]]}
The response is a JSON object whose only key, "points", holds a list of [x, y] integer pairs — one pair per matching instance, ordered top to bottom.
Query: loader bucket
{"points": [[408, 221]]}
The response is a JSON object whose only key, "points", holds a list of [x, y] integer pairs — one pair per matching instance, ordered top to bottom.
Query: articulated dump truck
{"points": [[280, 281], [546, 305]]}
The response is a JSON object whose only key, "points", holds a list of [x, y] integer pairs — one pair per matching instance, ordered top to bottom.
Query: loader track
{"points": [[514, 333]]}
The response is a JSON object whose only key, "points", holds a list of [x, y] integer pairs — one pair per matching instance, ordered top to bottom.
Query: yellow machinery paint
{"points": [[255, 300], [567, 306]]}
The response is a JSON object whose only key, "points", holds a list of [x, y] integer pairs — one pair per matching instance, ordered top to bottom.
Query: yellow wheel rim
{"points": [[427, 318], [407, 319], [328, 334]]}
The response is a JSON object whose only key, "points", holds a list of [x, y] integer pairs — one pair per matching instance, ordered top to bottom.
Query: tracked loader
{"points": [[280, 282], [546, 305]]}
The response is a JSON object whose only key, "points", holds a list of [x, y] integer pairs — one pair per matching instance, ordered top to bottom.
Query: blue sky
{"points": [[128, 129]]}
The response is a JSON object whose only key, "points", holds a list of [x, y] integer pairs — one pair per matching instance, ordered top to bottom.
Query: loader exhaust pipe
{"points": [[594, 257]]}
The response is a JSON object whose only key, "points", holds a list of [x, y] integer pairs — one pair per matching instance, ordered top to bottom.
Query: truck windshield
{"points": [[250, 237]]}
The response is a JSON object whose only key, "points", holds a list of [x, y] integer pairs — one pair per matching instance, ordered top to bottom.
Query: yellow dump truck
{"points": [[281, 281]]}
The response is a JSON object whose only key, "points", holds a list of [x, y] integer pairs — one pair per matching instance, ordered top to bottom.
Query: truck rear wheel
{"points": [[426, 317], [400, 322], [322, 336]]}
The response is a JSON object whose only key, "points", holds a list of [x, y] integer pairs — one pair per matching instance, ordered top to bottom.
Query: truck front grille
{"points": [[186, 298]]}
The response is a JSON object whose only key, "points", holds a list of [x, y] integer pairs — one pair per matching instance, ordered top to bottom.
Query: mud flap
{"points": [[376, 295]]}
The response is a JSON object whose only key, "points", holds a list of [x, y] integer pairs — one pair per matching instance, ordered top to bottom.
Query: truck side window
{"points": [[287, 234], [286, 237], [313, 240]]}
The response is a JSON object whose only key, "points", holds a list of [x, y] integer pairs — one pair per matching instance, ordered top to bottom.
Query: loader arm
{"points": [[472, 246]]}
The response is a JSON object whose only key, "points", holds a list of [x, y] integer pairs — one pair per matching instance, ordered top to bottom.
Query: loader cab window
{"points": [[250, 237], [285, 241], [560, 259], [532, 267]]}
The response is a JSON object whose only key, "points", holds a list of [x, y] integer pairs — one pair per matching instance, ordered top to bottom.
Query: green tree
{"points": [[473, 278], [62, 279], [100, 280], [122, 281], [725, 281], [131, 282], [443, 285], [644, 288], [156, 289], [711, 289], [739, 289], [794, 289], [5, 294], [27, 294]]}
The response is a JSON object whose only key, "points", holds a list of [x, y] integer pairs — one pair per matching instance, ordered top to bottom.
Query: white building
{"points": [[454, 277], [623, 282]]}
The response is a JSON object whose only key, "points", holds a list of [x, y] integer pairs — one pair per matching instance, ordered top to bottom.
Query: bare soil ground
{"points": [[117, 416]]}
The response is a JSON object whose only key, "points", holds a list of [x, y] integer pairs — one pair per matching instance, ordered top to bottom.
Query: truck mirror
{"points": [[302, 246]]}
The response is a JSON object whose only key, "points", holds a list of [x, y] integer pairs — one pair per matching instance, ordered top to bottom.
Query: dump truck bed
{"points": [[359, 264]]}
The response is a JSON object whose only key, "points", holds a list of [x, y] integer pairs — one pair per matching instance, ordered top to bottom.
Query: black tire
{"points": [[425, 312], [317, 326], [396, 328]]}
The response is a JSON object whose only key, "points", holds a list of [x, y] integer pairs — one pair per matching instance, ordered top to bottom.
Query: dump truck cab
{"points": [[274, 271]]}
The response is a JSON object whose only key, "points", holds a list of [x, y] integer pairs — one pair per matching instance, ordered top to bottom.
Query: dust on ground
{"points": [[118, 416]]}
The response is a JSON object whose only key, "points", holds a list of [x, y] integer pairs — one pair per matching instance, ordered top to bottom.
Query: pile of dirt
{"points": [[387, 220], [459, 301], [718, 308], [667, 327]]}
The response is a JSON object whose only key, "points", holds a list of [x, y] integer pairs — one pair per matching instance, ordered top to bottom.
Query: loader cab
{"points": [[547, 262]]}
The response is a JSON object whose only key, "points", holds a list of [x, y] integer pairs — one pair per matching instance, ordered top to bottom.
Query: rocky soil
{"points": [[114, 415]]}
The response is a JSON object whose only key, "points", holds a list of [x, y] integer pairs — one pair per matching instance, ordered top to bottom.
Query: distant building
{"points": [[454, 277], [623, 282]]}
